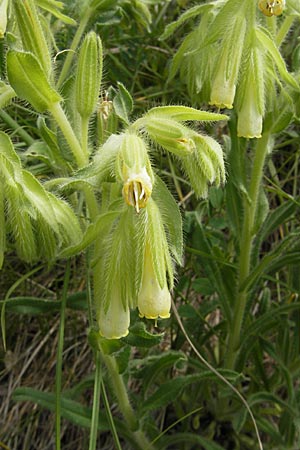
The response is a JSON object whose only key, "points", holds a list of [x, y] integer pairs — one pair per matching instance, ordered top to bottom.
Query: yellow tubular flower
{"points": [[153, 301], [114, 323]]}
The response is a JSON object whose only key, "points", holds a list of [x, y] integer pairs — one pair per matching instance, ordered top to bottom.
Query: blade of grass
{"points": [[58, 375]]}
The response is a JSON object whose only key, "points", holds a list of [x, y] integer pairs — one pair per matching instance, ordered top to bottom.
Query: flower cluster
{"points": [[232, 60], [143, 237]]}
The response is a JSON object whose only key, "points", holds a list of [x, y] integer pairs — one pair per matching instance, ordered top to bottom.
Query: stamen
{"points": [[142, 193], [136, 196]]}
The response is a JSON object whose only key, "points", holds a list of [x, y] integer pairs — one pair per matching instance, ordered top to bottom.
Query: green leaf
{"points": [[54, 8], [189, 14], [32, 35], [266, 40], [29, 80], [6, 94], [123, 103], [184, 113], [7, 150], [39, 198], [171, 218], [103, 222], [2, 227], [69, 227], [275, 259], [35, 306], [267, 321], [139, 337], [149, 369], [170, 390], [71, 410], [191, 439]]}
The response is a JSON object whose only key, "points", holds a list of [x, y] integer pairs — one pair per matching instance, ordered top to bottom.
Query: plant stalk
{"points": [[74, 45], [62, 121], [16, 127], [250, 211], [58, 375], [96, 403], [124, 404]]}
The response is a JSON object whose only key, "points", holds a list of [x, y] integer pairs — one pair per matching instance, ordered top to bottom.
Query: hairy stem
{"points": [[74, 45], [65, 126], [16, 127], [250, 211]]}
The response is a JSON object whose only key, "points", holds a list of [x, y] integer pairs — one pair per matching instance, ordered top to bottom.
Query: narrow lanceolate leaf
{"points": [[54, 8], [189, 14], [32, 35], [270, 46], [89, 74], [29, 80], [6, 93], [123, 103], [183, 113], [8, 151], [38, 197], [171, 218], [20, 223], [2, 226], [100, 226], [69, 229], [156, 236]]}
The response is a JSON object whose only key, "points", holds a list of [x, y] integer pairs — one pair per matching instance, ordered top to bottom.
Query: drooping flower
{"points": [[135, 171], [154, 301], [114, 322]]}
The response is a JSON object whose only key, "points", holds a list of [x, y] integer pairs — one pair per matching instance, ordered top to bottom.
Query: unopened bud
{"points": [[89, 75], [171, 135]]}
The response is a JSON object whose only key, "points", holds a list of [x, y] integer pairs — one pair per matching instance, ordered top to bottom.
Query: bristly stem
{"points": [[284, 29], [79, 32], [65, 126], [16, 127], [250, 211], [58, 375], [125, 407]]}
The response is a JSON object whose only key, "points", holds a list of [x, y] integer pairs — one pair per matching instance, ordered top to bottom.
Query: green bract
{"points": [[33, 38], [28, 79]]}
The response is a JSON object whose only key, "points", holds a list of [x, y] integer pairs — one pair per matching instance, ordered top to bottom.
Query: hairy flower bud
{"points": [[89, 74], [170, 134]]}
